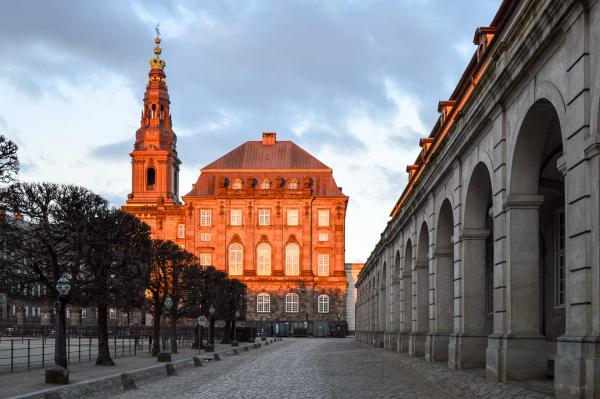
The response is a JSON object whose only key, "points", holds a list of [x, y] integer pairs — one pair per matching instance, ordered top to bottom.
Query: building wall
{"points": [[481, 227]]}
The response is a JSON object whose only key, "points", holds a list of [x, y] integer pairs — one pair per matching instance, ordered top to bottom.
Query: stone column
{"points": [[440, 304], [406, 311], [420, 313], [395, 316], [469, 340], [516, 349]]}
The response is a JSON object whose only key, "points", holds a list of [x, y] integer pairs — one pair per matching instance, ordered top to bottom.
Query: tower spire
{"points": [[157, 62]]}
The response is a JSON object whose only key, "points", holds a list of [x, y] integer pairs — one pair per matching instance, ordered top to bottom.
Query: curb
{"points": [[114, 381]]}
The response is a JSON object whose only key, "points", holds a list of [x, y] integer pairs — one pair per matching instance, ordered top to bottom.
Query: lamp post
{"points": [[168, 305], [237, 314], [201, 321], [211, 338], [59, 373]]}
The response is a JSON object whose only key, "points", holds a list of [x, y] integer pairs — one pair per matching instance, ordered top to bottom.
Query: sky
{"points": [[355, 83]]}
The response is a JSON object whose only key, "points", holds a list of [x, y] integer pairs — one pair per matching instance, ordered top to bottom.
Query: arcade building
{"points": [[267, 213]]}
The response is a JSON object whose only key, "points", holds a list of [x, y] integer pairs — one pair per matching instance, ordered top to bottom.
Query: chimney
{"points": [[269, 138]]}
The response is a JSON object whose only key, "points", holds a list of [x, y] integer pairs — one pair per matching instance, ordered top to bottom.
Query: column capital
{"points": [[523, 201]]}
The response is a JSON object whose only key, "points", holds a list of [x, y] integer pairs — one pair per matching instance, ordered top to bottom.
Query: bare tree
{"points": [[9, 163]]}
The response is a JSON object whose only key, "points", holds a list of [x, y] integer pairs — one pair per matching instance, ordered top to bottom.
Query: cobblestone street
{"points": [[296, 368]]}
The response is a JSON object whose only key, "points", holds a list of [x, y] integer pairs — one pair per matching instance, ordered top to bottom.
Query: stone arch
{"points": [[536, 253], [420, 294], [441, 294], [396, 295], [475, 301], [383, 303]]}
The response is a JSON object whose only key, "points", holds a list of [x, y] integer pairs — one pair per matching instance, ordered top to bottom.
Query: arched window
{"points": [[162, 110], [153, 111], [150, 177], [237, 184], [265, 184], [293, 185], [236, 259], [263, 260], [292, 260], [263, 303], [292, 303], [323, 304]]}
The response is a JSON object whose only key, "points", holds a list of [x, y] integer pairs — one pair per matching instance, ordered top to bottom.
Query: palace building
{"points": [[267, 213]]}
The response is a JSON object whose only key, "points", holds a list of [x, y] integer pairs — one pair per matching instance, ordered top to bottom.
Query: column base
{"points": [[391, 341], [403, 342], [416, 344], [436, 347], [467, 351], [515, 358], [577, 367]]}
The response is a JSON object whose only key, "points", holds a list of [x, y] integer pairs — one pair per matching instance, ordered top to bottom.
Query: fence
{"points": [[25, 349]]}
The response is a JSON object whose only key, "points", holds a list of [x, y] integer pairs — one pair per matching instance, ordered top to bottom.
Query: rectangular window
{"points": [[205, 217], [236, 217], [264, 217], [292, 217], [323, 217], [181, 230], [204, 236], [323, 237], [205, 259], [559, 259], [323, 261], [263, 303], [292, 303], [323, 304], [14, 310], [27, 311], [68, 313], [83, 313], [112, 313]]}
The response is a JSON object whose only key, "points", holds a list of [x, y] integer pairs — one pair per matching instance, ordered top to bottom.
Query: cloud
{"points": [[354, 83]]}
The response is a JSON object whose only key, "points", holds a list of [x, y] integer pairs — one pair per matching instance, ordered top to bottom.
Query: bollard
{"points": [[266, 342], [246, 349], [236, 352], [217, 357], [197, 361], [170, 369], [127, 381]]}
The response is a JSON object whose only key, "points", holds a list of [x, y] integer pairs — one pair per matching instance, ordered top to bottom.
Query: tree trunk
{"points": [[156, 331], [226, 333], [173, 335], [103, 358]]}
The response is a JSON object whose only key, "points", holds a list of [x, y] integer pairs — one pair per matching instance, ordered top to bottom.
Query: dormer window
{"points": [[237, 184], [265, 184], [293, 184]]}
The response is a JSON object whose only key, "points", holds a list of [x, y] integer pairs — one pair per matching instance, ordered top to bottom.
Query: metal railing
{"points": [[35, 349]]}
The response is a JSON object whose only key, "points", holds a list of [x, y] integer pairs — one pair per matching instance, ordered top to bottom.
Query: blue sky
{"points": [[356, 83]]}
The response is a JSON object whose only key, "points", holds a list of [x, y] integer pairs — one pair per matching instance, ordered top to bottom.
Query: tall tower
{"points": [[154, 161]]}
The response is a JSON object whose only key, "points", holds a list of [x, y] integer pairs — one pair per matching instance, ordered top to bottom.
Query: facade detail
{"points": [[267, 213], [491, 257]]}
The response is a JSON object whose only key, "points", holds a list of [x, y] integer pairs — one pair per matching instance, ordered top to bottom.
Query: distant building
{"points": [[267, 213], [352, 271]]}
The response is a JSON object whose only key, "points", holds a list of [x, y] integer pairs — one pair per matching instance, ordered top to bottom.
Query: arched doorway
{"points": [[535, 220], [420, 299], [441, 302], [406, 306], [468, 343]]}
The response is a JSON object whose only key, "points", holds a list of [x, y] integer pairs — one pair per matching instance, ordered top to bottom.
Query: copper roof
{"points": [[256, 155], [257, 161]]}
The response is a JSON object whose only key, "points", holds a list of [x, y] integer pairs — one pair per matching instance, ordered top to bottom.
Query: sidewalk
{"points": [[27, 381]]}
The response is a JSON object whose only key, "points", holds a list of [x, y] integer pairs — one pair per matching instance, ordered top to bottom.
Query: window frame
{"points": [[237, 184], [265, 184], [206, 217], [238, 217], [264, 217], [323, 217], [291, 219], [181, 230], [205, 236], [323, 237], [205, 259], [263, 262], [321, 265], [292, 266], [239, 268], [263, 303], [292, 303], [323, 303]]}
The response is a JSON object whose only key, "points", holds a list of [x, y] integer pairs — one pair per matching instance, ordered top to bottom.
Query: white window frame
{"points": [[237, 184], [265, 184], [293, 185], [205, 217], [235, 217], [264, 217], [292, 217], [323, 217], [181, 230], [204, 236], [323, 237], [560, 257], [205, 259], [236, 259], [263, 259], [292, 259], [323, 265], [323, 301], [263, 303], [292, 303], [68, 312], [84, 313], [112, 313]]}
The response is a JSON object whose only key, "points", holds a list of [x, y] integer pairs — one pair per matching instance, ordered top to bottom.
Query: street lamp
{"points": [[168, 305], [237, 315], [211, 339], [59, 373]]}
